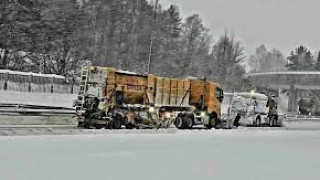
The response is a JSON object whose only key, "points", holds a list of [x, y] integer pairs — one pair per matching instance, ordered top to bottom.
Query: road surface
{"points": [[241, 154]]}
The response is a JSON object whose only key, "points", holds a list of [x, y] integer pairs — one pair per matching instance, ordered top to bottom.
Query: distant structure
{"points": [[294, 81], [34, 82]]}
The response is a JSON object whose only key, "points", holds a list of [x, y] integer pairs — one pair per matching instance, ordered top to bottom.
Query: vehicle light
{"points": [[93, 69], [252, 92], [193, 108], [152, 110], [80, 113], [203, 114], [167, 115]]}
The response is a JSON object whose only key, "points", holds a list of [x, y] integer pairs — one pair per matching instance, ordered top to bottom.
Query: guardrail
{"points": [[25, 109], [298, 118]]}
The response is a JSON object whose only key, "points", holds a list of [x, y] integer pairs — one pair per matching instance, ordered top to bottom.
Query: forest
{"points": [[58, 36]]}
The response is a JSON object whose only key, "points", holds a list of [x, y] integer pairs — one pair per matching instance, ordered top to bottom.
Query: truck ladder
{"points": [[83, 87]]}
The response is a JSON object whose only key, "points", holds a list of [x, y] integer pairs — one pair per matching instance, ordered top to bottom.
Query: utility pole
{"points": [[151, 36], [150, 53], [278, 54], [256, 64]]}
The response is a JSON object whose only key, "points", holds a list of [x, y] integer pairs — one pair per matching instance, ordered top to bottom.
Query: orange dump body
{"points": [[153, 90]]}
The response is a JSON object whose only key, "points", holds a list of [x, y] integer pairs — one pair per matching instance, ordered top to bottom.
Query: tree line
{"points": [[57, 36], [300, 59]]}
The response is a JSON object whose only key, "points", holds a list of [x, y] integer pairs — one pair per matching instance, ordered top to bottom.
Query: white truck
{"points": [[248, 109]]}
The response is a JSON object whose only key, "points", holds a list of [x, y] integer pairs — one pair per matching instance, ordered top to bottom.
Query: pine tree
{"points": [[300, 60], [317, 67]]}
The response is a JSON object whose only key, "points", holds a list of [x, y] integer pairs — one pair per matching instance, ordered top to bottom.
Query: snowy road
{"points": [[242, 154]]}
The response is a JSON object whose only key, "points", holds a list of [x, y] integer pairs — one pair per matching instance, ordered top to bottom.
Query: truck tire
{"points": [[117, 121], [188, 121], [257, 121], [271, 121], [212, 122], [179, 123], [87, 124], [117, 124]]}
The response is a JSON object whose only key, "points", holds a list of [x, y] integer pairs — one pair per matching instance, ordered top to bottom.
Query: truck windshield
{"points": [[219, 94]]}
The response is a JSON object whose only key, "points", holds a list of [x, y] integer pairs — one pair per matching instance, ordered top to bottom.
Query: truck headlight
{"points": [[93, 69], [193, 108], [152, 110], [81, 112], [203, 114], [167, 115]]}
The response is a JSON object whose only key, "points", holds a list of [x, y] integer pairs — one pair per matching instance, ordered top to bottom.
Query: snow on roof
{"points": [[129, 72], [285, 73], [31, 74], [194, 78], [246, 94]]}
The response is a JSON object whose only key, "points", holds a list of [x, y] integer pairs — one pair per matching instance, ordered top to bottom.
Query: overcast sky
{"points": [[282, 24]]}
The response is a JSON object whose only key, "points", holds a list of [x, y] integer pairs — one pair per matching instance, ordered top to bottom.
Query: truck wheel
{"points": [[117, 121], [188, 122], [212, 122], [257, 122], [271, 122], [87, 123], [179, 123], [117, 124]]}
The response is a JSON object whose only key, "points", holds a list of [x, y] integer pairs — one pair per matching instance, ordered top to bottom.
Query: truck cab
{"points": [[206, 98]]}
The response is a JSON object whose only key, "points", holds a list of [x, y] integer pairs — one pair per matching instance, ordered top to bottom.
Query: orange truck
{"points": [[112, 99]]}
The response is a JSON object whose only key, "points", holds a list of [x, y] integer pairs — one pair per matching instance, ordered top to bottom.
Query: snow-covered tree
{"points": [[228, 55], [267, 61]]}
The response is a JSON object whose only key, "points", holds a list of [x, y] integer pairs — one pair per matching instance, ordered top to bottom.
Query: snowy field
{"points": [[241, 154]]}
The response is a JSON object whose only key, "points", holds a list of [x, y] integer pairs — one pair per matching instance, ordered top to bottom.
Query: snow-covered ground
{"points": [[302, 124], [241, 154]]}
